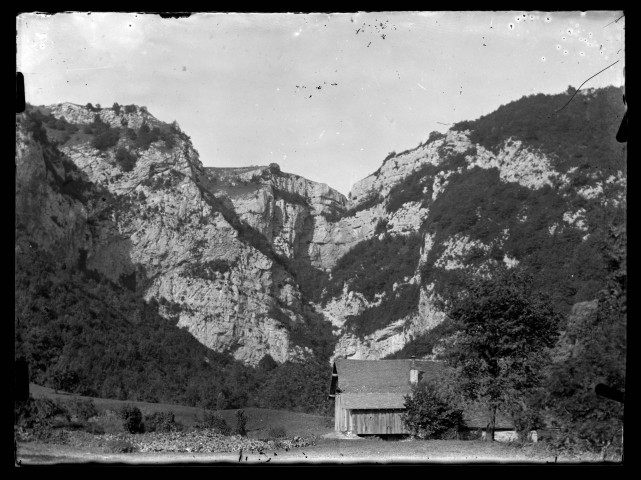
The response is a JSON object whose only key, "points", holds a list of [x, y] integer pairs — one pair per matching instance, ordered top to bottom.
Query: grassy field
{"points": [[259, 420]]}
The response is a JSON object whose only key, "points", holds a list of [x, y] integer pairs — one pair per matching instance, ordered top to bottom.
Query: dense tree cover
{"points": [[583, 133], [417, 187], [564, 261], [373, 266], [400, 304], [89, 336], [502, 344], [423, 345], [597, 355], [292, 385]]}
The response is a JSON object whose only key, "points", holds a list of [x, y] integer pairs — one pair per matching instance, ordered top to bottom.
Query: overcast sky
{"points": [[324, 96]]}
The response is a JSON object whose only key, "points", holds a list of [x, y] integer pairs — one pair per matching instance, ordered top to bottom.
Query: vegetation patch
{"points": [[583, 133], [373, 266], [401, 304], [423, 345]]}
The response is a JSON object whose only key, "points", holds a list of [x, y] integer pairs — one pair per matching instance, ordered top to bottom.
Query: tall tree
{"points": [[504, 333], [596, 354]]}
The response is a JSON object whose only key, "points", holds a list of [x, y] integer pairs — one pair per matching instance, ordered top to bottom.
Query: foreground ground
{"points": [[326, 450]]}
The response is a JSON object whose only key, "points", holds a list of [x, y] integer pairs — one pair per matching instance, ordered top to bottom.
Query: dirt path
{"points": [[326, 451]]}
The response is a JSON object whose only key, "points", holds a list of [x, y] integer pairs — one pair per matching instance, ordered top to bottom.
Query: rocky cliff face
{"points": [[155, 225], [243, 255]]}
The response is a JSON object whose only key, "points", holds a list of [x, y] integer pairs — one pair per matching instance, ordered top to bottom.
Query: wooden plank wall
{"points": [[341, 415], [373, 422], [377, 422]]}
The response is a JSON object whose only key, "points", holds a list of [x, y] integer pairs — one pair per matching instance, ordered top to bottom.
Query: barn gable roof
{"points": [[380, 376]]}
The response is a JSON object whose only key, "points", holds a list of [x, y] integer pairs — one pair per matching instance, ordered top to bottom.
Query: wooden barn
{"points": [[369, 396]]}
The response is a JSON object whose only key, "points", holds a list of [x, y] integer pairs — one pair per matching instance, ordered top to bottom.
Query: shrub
{"points": [[116, 108], [146, 136], [106, 139], [125, 159], [381, 226], [36, 412], [430, 415], [132, 419], [160, 422], [214, 422], [241, 423]]}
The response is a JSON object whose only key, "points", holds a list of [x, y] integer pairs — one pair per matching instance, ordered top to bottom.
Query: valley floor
{"points": [[327, 450]]}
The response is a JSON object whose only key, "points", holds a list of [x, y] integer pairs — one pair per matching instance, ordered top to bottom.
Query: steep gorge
{"points": [[254, 261]]}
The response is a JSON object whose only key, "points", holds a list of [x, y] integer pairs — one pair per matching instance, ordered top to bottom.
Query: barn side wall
{"points": [[341, 415], [377, 422]]}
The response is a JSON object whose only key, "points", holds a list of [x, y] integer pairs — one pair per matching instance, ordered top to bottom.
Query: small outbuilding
{"points": [[369, 396]]}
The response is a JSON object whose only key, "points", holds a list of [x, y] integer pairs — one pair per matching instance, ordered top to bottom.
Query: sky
{"points": [[326, 96]]}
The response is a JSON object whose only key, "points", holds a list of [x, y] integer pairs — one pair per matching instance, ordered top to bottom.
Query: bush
{"points": [[116, 108], [106, 139], [125, 159], [36, 412], [430, 415], [132, 419], [161, 422], [215, 422], [241, 423]]}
